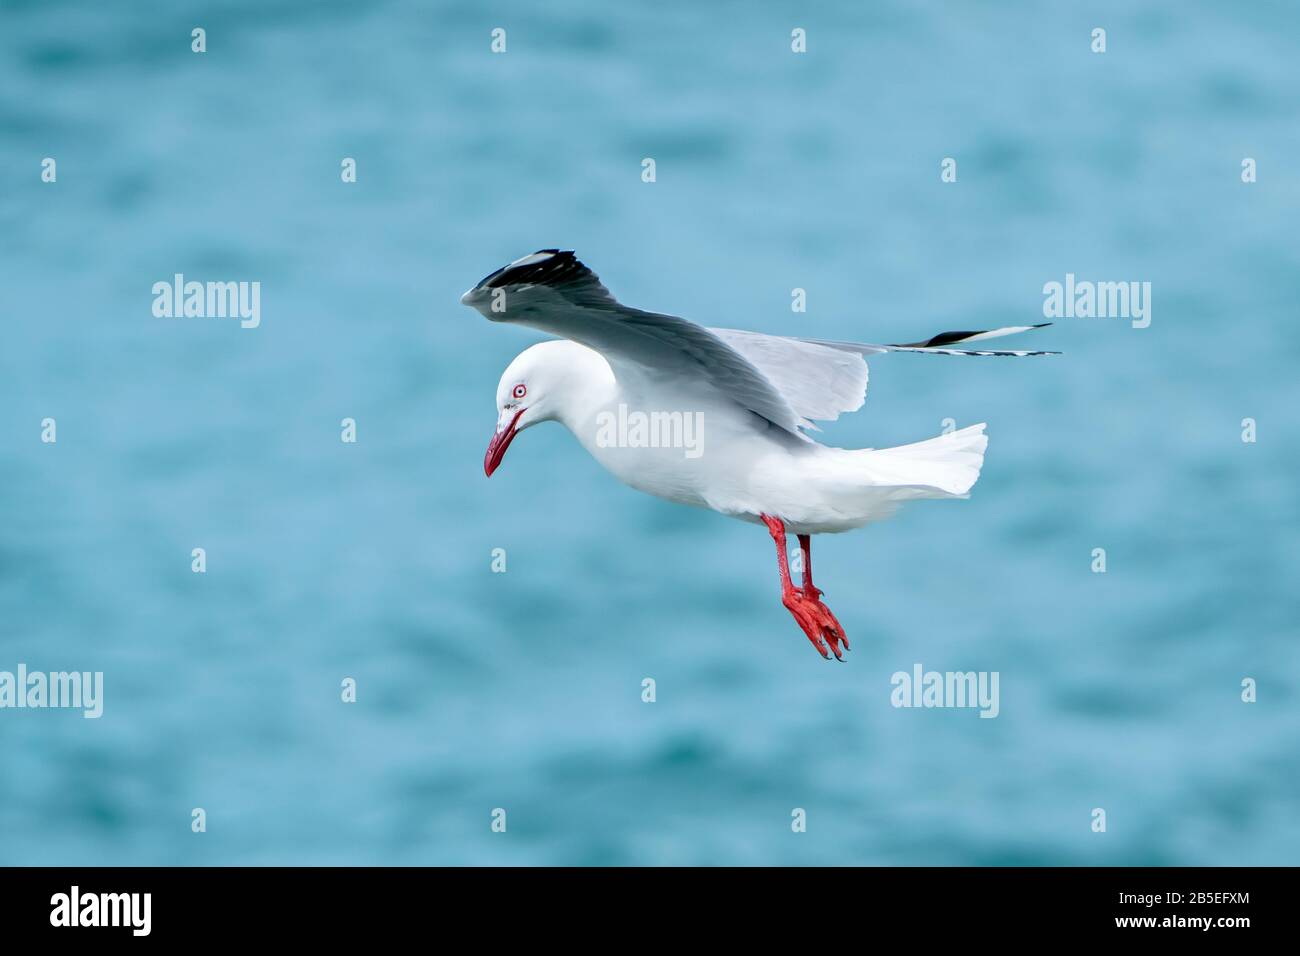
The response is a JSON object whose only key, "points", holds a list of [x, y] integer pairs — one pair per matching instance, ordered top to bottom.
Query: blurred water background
{"points": [[523, 690]]}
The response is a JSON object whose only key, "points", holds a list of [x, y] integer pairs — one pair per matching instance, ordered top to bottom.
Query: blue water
{"points": [[522, 690]]}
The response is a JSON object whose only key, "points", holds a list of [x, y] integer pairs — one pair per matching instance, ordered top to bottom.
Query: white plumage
{"points": [[818, 381], [755, 395], [728, 411]]}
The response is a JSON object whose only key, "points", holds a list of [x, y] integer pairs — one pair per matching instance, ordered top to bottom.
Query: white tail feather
{"points": [[949, 463]]}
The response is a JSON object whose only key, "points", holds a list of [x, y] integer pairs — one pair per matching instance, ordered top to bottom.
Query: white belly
{"points": [[722, 458], [730, 460]]}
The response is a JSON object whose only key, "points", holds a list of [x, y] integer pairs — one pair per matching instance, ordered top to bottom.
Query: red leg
{"points": [[805, 545], [813, 593], [808, 611]]}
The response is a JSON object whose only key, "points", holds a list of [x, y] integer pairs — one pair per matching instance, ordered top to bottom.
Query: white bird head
{"points": [[550, 381]]}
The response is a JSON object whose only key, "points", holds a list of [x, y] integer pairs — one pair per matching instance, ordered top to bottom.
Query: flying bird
{"points": [[717, 418]]}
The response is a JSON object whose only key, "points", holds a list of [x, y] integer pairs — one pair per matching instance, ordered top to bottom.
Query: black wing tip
{"points": [[554, 265], [948, 338], [956, 338], [1012, 353]]}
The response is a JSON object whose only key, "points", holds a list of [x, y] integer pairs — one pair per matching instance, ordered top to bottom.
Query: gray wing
{"points": [[555, 293], [938, 344], [821, 380]]}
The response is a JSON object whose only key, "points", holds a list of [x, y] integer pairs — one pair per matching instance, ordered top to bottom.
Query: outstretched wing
{"points": [[553, 292], [938, 344], [822, 380], [788, 381], [819, 381]]}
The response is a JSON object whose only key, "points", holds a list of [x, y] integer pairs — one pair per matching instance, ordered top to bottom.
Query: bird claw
{"points": [[817, 621]]}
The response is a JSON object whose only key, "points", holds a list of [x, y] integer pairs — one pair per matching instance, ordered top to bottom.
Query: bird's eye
{"points": [[520, 390]]}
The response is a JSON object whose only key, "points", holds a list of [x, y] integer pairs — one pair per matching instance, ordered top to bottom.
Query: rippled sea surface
{"points": [[522, 690]]}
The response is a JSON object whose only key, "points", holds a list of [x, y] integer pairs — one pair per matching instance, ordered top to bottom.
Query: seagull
{"points": [[717, 418]]}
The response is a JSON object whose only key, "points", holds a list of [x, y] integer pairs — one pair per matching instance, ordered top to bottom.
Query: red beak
{"points": [[498, 445]]}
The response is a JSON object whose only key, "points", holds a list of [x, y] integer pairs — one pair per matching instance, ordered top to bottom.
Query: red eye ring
{"points": [[519, 391]]}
